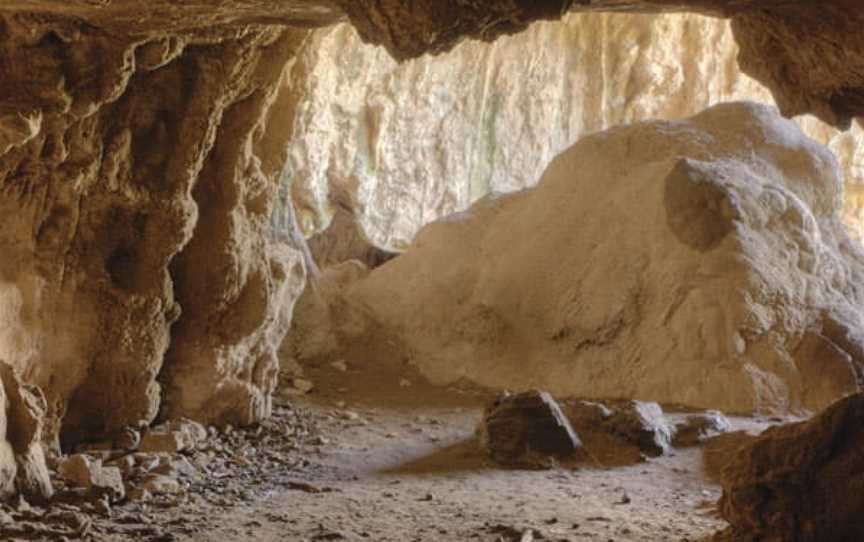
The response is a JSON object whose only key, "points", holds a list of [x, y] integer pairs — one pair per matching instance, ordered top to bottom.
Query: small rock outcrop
{"points": [[800, 482]]}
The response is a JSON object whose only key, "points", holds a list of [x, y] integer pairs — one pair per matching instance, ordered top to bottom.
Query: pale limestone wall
{"points": [[412, 142]]}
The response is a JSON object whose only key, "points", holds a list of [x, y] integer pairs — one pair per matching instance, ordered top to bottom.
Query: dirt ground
{"points": [[386, 457], [396, 463]]}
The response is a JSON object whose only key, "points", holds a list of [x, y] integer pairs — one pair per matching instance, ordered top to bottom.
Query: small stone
{"points": [[339, 366], [405, 383], [303, 385], [351, 416], [699, 427], [128, 439], [163, 440], [125, 463], [98, 480], [159, 484]]}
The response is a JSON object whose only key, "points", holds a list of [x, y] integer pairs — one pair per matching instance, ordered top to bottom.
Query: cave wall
{"points": [[404, 144], [122, 159]]}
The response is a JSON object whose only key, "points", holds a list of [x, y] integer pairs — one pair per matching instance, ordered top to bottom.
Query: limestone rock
{"points": [[114, 169], [344, 240], [684, 262], [699, 427], [528, 430], [620, 432], [172, 437], [128, 439], [164, 441], [22, 458], [92, 476], [800, 482], [158, 484]]}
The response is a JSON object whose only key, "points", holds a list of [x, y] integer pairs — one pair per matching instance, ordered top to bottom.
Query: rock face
{"points": [[810, 54], [401, 145], [128, 164], [698, 262], [800, 482]]}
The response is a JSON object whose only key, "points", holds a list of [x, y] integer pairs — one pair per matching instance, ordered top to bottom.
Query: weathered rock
{"points": [[727, 224], [344, 240], [85, 282], [699, 427], [528, 430], [620, 432], [172, 437], [129, 439], [164, 441], [22, 458], [99, 481], [801, 482], [158, 484]]}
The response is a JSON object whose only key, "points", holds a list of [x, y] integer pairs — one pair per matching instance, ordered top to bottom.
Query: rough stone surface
{"points": [[808, 53], [397, 146], [105, 233], [344, 240], [694, 262], [697, 428], [528, 430], [618, 433], [23, 469], [97, 480], [800, 482]]}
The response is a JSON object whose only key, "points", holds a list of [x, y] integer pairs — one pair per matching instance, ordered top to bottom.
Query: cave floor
{"points": [[387, 461], [393, 462]]}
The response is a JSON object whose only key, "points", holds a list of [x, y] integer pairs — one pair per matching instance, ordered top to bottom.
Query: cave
{"points": [[438, 270]]}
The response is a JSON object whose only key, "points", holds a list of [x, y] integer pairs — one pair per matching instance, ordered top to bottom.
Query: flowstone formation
{"points": [[137, 176], [699, 262]]}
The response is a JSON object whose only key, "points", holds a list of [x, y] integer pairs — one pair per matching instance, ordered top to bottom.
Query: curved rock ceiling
{"points": [[809, 53]]}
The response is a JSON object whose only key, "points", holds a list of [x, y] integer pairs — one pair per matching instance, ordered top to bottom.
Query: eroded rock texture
{"points": [[809, 53], [400, 145], [118, 152], [699, 262], [22, 457], [800, 482]]}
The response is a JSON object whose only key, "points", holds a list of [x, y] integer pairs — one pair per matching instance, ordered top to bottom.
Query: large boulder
{"points": [[699, 262], [800, 482]]}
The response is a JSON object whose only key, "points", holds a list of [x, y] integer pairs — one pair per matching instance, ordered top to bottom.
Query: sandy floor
{"points": [[365, 456], [396, 464]]}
